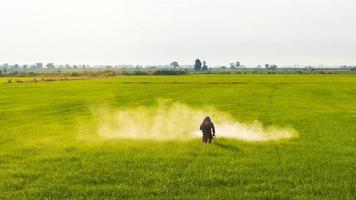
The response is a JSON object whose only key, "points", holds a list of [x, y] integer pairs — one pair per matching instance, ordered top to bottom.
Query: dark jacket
{"points": [[208, 128]]}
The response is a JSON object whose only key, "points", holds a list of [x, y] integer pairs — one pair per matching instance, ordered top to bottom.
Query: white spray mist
{"points": [[177, 121]]}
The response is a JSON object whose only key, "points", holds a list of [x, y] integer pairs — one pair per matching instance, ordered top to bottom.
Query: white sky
{"points": [[284, 32]]}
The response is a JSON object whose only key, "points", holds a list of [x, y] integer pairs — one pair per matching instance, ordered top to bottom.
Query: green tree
{"points": [[174, 64], [238, 64], [197, 65], [50, 66], [205, 66], [273, 67]]}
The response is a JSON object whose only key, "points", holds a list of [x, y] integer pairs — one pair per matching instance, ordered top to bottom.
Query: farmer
{"points": [[208, 129]]}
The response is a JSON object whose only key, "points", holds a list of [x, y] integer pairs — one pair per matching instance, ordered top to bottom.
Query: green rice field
{"points": [[50, 147]]}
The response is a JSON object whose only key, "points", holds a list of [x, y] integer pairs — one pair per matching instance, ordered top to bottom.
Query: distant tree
{"points": [[174, 64], [238, 64], [39, 65], [197, 65], [5, 66], [50, 66], [232, 66], [267, 66], [24, 67], [205, 67], [223, 67], [273, 67], [308, 68], [0, 72]]}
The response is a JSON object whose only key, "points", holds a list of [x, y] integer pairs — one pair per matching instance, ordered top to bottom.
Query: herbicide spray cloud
{"points": [[177, 121]]}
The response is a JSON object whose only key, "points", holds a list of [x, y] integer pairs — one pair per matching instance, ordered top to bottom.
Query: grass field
{"points": [[43, 155]]}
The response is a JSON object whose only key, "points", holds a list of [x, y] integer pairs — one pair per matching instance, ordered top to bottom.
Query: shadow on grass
{"points": [[229, 147]]}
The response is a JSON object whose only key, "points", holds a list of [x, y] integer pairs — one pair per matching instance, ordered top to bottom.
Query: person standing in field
{"points": [[208, 129]]}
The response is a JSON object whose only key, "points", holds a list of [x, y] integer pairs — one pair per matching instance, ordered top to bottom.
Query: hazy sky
{"points": [[284, 32]]}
